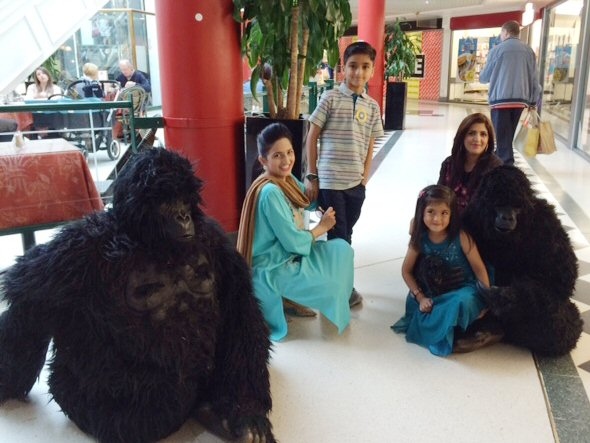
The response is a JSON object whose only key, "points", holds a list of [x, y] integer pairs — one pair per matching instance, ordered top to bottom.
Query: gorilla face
{"points": [[504, 195], [156, 200], [501, 211], [506, 219], [177, 221]]}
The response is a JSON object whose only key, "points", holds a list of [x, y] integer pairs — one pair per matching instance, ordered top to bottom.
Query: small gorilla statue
{"points": [[535, 267], [435, 276], [151, 312]]}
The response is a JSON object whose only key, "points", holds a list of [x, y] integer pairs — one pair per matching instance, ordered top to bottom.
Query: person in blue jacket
{"points": [[511, 71], [130, 76]]}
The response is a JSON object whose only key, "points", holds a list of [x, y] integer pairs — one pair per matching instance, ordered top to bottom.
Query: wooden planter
{"points": [[395, 105], [254, 125]]}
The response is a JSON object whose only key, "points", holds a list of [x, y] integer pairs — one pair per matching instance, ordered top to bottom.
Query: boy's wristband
{"points": [[312, 177]]}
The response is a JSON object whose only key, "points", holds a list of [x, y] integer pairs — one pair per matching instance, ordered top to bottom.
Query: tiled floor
{"points": [[368, 384]]}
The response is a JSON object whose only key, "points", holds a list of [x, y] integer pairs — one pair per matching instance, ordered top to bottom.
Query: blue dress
{"points": [[288, 262], [457, 308]]}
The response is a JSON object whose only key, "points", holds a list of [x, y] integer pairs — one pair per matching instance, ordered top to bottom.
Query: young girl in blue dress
{"points": [[431, 322]]}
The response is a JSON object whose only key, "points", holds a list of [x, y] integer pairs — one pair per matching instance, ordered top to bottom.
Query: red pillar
{"points": [[371, 28], [202, 100]]}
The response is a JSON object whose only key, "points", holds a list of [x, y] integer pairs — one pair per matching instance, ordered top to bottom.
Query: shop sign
{"points": [[419, 68]]}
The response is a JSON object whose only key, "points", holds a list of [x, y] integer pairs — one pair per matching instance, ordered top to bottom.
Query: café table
{"points": [[43, 184]]}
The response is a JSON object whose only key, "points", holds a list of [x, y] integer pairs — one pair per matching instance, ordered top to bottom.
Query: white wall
{"points": [[32, 30]]}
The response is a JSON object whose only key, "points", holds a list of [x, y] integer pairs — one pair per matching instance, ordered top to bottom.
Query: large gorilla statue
{"points": [[535, 266], [151, 313]]}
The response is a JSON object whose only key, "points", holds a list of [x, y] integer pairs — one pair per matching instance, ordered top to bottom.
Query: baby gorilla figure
{"points": [[151, 312]]}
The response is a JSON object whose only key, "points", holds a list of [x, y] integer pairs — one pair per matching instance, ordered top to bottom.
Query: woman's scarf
{"points": [[248, 217]]}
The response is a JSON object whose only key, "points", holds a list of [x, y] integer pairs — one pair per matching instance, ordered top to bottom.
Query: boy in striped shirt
{"points": [[346, 122]]}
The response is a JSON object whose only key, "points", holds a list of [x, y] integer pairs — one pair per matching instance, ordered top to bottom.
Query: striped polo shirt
{"points": [[347, 127]]}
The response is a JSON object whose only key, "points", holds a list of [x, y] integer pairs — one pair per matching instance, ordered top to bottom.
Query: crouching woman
{"points": [[286, 260]]}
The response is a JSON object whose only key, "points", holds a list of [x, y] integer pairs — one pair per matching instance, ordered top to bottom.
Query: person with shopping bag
{"points": [[511, 71], [533, 135]]}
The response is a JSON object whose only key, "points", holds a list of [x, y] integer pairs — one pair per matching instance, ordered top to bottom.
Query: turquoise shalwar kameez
{"points": [[288, 262], [457, 308]]}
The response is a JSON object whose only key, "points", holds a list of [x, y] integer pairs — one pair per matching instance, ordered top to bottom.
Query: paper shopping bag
{"points": [[521, 130], [520, 137], [526, 137], [546, 139], [532, 142]]}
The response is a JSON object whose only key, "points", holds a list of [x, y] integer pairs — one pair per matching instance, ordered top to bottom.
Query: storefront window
{"points": [[469, 54], [468, 57], [559, 67]]}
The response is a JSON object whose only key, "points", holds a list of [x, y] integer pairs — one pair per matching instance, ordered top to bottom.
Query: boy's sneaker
{"points": [[355, 298]]}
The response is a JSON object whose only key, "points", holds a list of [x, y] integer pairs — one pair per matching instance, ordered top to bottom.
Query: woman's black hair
{"points": [[269, 135], [459, 153], [430, 194]]}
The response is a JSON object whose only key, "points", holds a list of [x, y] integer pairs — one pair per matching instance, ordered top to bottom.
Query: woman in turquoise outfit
{"points": [[286, 259], [431, 322]]}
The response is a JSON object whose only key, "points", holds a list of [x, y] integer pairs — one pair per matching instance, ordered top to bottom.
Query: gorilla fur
{"points": [[521, 237], [148, 329]]}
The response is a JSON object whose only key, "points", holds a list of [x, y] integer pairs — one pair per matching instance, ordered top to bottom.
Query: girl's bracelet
{"points": [[416, 291]]}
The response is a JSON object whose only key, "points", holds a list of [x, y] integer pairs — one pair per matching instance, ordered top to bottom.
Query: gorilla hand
{"points": [[435, 276], [501, 300], [244, 429], [253, 429]]}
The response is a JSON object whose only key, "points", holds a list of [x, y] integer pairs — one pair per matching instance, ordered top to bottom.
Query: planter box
{"points": [[395, 105], [254, 125]]}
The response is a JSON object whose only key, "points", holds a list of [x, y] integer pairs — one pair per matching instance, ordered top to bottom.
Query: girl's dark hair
{"points": [[269, 135], [458, 153], [428, 195]]}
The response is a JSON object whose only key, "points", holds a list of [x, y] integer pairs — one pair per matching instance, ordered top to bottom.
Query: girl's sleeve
{"points": [[276, 210]]}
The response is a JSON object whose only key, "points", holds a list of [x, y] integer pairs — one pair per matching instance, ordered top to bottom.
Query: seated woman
{"points": [[43, 87], [471, 157], [286, 259]]}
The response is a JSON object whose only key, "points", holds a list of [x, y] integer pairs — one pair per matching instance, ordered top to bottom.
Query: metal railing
{"points": [[75, 105]]}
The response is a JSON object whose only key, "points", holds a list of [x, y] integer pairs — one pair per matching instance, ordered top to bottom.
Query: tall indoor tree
{"points": [[285, 41]]}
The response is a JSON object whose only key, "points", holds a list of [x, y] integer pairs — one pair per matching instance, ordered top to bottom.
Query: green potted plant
{"points": [[285, 41], [400, 63]]}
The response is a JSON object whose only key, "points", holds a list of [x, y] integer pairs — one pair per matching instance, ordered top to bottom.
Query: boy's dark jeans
{"points": [[347, 204]]}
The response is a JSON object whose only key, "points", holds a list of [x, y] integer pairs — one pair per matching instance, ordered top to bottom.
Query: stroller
{"points": [[93, 91], [121, 131]]}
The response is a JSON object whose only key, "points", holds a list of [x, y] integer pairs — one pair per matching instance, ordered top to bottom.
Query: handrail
{"points": [[77, 105]]}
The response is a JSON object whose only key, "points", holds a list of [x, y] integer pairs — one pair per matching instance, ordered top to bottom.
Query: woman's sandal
{"points": [[297, 310]]}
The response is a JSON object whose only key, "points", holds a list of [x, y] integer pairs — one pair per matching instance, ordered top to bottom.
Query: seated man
{"points": [[131, 77]]}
